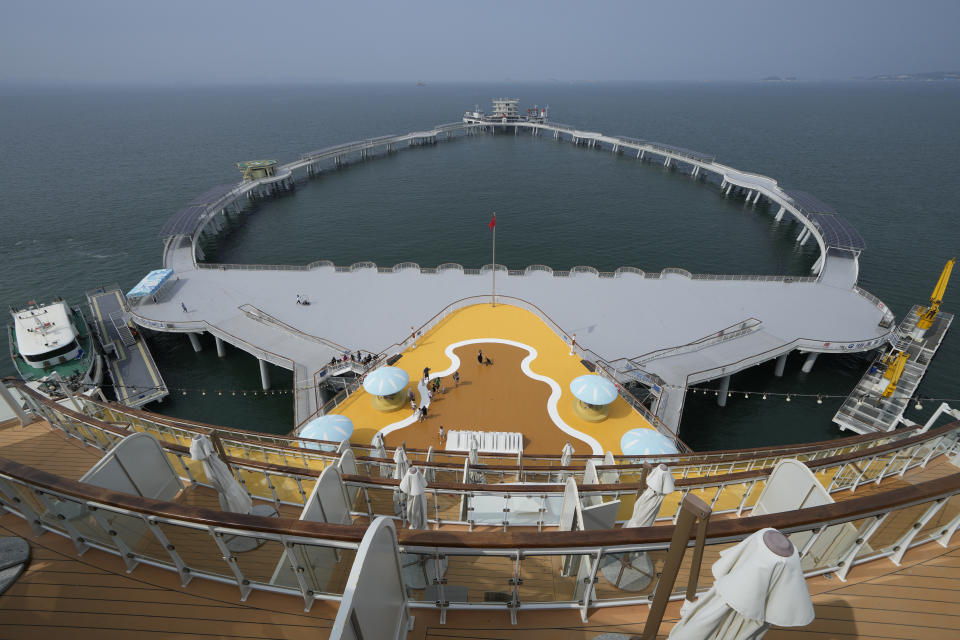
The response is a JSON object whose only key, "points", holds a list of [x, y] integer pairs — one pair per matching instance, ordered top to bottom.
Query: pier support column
{"points": [[666, 162], [723, 184], [729, 187], [749, 195], [756, 198], [780, 214], [803, 235], [806, 237], [817, 266], [195, 342], [221, 347], [808, 363], [781, 364], [264, 374], [723, 391], [14, 405]]}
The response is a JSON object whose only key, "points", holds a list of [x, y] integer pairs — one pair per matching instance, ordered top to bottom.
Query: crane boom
{"points": [[928, 314]]}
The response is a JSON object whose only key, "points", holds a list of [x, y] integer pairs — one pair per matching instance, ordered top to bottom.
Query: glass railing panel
{"points": [[446, 506], [897, 523], [938, 523], [135, 534], [196, 547], [828, 548], [259, 559], [422, 573], [628, 575], [479, 579], [541, 580]]}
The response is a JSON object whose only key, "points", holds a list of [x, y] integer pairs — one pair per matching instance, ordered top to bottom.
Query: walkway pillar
{"points": [[723, 184], [729, 187], [749, 195], [756, 198], [780, 214], [195, 342], [221, 347], [808, 363], [781, 364], [264, 374], [724, 390], [14, 405]]}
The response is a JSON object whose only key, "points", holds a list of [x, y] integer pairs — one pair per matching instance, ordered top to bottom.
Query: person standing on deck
{"points": [[479, 356], [456, 378]]}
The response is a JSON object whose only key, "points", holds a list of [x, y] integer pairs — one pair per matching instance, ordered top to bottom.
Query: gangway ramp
{"points": [[136, 378], [864, 410]]}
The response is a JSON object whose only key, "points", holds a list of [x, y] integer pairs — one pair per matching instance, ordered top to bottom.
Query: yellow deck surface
{"points": [[503, 322]]}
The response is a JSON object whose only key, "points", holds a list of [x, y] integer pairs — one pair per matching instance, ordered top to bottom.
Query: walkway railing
{"points": [[286, 475], [545, 570]]}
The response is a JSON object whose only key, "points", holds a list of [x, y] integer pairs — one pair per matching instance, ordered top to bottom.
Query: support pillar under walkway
{"points": [[195, 342], [221, 347], [781, 363], [808, 363], [264, 374], [723, 391]]}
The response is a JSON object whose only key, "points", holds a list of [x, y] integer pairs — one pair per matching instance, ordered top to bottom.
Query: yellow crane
{"points": [[928, 314], [895, 361]]}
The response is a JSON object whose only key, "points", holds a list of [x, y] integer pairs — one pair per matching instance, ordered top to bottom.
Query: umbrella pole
{"points": [[691, 509]]}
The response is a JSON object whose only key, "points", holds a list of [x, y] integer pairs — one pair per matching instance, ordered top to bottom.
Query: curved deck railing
{"points": [[291, 481], [311, 560]]}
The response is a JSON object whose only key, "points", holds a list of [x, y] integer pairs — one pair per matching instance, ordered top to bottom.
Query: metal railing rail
{"points": [[290, 483], [195, 542]]}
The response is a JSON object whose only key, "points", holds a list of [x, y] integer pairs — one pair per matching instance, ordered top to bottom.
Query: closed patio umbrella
{"points": [[380, 451], [400, 466], [429, 473], [477, 477], [414, 487], [233, 497], [634, 571], [757, 583]]}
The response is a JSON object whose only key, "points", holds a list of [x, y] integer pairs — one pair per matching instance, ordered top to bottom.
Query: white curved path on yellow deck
{"points": [[552, 401]]}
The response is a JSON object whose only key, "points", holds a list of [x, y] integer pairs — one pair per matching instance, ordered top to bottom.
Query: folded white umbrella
{"points": [[380, 451], [566, 455], [400, 466], [429, 473], [477, 477], [659, 484], [414, 487], [233, 497], [634, 571], [754, 587]]}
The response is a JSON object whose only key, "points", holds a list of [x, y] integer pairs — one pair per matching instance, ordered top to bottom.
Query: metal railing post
{"points": [[691, 509]]}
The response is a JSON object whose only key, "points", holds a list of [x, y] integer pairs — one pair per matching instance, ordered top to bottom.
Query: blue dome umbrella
{"points": [[386, 385], [594, 394], [332, 427], [646, 442]]}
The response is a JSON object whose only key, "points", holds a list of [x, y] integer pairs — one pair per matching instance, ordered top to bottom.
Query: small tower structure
{"points": [[506, 109], [256, 169]]}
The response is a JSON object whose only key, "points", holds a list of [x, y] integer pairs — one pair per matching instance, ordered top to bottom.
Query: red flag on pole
{"points": [[493, 222]]}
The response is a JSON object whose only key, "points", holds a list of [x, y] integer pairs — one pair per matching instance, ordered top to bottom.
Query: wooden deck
{"points": [[94, 597]]}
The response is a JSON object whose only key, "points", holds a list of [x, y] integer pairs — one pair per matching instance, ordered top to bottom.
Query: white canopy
{"points": [[385, 381], [593, 389], [566, 455], [414, 486], [233, 497], [645, 510], [753, 588]]}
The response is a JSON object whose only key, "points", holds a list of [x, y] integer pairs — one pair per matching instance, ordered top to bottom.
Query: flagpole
{"points": [[493, 290]]}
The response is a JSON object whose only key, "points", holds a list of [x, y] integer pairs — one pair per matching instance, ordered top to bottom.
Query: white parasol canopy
{"points": [[385, 381], [593, 389], [331, 427], [566, 455], [473, 458], [400, 466], [429, 474], [414, 486], [233, 497], [647, 506], [754, 587]]}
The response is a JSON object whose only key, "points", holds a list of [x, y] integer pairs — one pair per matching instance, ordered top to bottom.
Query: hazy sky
{"points": [[215, 41]]}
